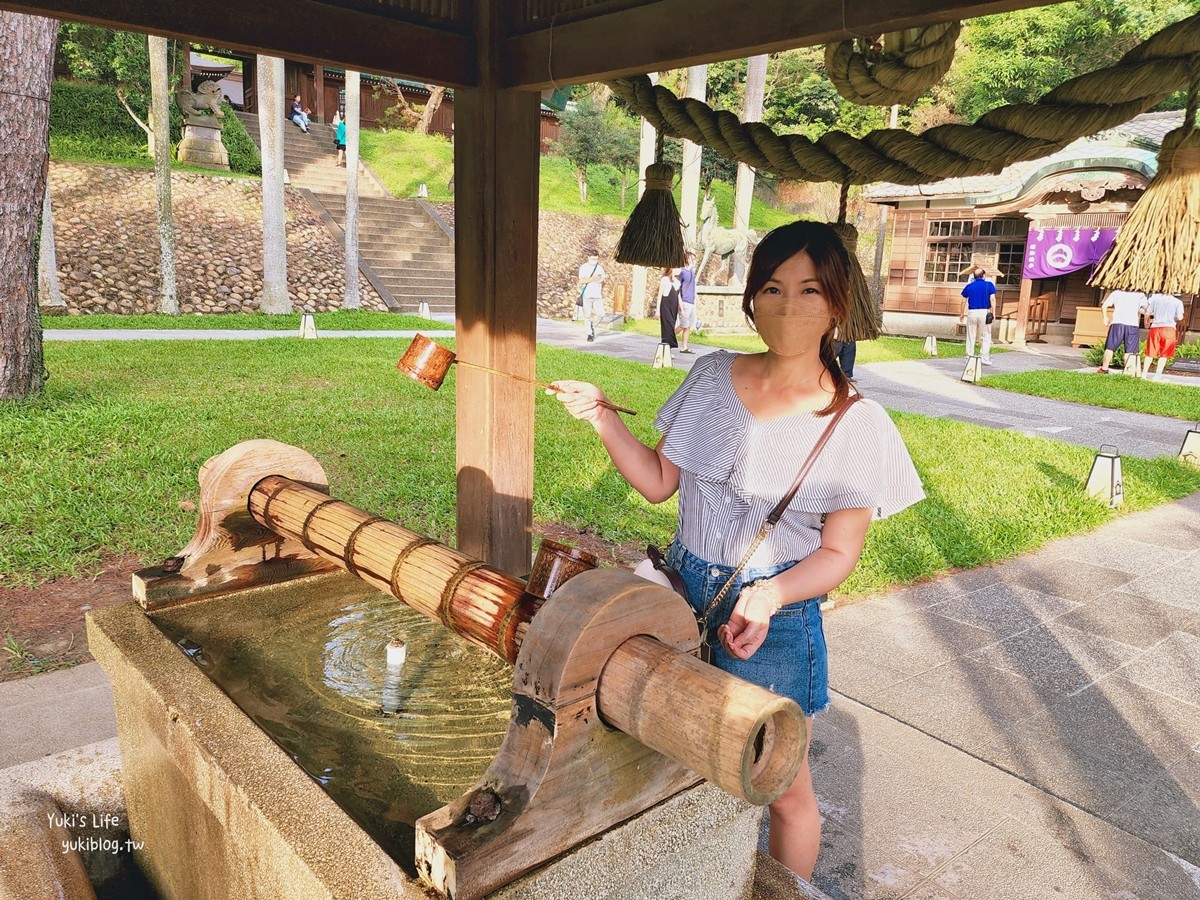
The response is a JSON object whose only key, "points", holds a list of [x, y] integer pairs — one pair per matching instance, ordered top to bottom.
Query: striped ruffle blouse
{"points": [[735, 468]]}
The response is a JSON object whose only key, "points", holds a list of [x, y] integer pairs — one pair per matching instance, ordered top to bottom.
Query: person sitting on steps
{"points": [[298, 114]]}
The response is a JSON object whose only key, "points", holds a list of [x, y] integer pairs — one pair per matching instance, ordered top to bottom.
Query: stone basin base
{"points": [[222, 811]]}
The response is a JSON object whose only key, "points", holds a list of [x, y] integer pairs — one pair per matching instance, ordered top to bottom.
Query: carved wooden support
{"points": [[230, 551], [563, 775]]}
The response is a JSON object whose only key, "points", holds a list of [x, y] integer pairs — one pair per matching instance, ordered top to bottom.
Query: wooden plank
{"points": [[298, 29], [672, 34], [496, 235]]}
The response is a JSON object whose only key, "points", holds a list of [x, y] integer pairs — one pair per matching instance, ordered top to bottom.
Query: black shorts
{"points": [[339, 145]]}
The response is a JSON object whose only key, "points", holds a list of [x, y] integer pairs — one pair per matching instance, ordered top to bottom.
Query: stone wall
{"points": [[106, 237], [563, 241]]}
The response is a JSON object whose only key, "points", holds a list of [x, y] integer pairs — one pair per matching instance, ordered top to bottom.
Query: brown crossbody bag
{"points": [[676, 580]]}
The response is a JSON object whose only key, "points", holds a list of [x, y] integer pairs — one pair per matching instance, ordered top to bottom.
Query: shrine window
{"points": [[952, 245]]}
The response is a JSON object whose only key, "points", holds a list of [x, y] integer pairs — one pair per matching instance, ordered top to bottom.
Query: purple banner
{"points": [[1051, 252]]}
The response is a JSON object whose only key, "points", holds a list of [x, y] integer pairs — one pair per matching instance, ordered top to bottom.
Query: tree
{"points": [[1017, 57], [27, 58], [160, 106], [416, 117], [583, 139], [624, 145], [49, 295], [274, 299], [351, 299]]}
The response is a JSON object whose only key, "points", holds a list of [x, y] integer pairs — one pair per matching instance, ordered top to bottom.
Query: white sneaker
{"points": [[986, 362]]}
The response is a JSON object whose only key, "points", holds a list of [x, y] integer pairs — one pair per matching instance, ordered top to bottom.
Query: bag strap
{"points": [[583, 287], [775, 514]]}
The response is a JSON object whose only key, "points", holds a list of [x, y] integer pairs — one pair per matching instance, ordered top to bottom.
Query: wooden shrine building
{"points": [[499, 55], [1039, 227]]}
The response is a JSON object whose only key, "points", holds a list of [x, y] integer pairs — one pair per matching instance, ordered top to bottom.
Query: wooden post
{"points": [[319, 83], [495, 251], [1022, 323]]}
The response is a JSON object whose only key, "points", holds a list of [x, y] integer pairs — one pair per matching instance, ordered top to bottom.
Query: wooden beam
{"points": [[296, 29], [672, 34], [496, 163]]}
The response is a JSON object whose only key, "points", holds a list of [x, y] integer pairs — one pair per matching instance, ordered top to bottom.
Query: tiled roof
{"points": [[1131, 145]]}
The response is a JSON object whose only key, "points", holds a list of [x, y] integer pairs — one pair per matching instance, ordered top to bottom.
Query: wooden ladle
{"points": [[428, 363]]}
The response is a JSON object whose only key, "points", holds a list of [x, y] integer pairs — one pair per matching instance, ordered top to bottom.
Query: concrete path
{"points": [[933, 387]]}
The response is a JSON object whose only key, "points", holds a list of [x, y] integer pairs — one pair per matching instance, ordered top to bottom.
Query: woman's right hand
{"points": [[582, 399]]}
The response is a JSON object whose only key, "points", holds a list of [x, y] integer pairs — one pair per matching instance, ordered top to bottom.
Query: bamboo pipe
{"points": [[427, 363], [745, 739]]}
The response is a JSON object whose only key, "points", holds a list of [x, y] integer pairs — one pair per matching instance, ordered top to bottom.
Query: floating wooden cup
{"points": [[428, 363], [555, 564]]}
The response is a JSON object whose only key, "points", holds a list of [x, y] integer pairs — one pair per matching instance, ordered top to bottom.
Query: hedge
{"points": [[89, 124]]}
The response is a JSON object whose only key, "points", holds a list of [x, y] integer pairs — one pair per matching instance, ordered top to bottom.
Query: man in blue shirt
{"points": [[976, 310]]}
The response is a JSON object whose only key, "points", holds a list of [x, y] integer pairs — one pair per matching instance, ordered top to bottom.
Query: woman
{"points": [[298, 114], [339, 140], [668, 306], [735, 435]]}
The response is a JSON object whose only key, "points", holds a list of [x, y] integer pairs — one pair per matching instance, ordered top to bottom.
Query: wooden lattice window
{"points": [[973, 242]]}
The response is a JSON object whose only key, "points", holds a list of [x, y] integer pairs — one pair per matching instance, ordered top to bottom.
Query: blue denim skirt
{"points": [[793, 660]]}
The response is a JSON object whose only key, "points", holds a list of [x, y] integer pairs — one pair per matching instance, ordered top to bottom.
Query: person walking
{"points": [[339, 138], [591, 292], [687, 302], [668, 306], [1122, 310], [1165, 312], [977, 314], [846, 351], [735, 435]]}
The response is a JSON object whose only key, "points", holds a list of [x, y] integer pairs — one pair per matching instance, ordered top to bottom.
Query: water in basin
{"points": [[308, 663]]}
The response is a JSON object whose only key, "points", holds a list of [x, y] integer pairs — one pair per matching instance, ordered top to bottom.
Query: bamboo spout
{"points": [[744, 739]]}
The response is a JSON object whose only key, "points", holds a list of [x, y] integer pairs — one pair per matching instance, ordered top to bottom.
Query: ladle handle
{"points": [[542, 384]]}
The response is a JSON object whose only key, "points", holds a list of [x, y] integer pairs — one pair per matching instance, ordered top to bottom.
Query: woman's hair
{"points": [[832, 263]]}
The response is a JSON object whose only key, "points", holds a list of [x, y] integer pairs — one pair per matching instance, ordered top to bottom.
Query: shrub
{"points": [[88, 123], [243, 153], [1095, 355]]}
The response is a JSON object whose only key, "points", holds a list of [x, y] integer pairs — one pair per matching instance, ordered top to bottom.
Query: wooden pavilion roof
{"points": [[531, 44]]}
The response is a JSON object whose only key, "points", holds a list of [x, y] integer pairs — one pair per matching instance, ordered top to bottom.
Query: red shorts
{"points": [[1161, 341]]}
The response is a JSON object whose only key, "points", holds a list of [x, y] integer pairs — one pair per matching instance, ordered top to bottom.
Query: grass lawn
{"points": [[405, 161], [341, 320], [884, 349], [1113, 391], [105, 463]]}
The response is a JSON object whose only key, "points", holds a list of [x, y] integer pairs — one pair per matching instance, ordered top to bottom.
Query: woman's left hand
{"points": [[751, 619]]}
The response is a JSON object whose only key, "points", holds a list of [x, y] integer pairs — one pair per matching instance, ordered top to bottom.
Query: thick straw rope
{"points": [[909, 63], [1102, 99], [1158, 246]]}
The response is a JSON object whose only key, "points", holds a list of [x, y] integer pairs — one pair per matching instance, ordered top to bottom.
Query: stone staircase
{"points": [[403, 251]]}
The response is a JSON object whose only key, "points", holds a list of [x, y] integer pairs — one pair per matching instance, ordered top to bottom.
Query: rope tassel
{"points": [[653, 236], [1158, 247], [862, 322]]}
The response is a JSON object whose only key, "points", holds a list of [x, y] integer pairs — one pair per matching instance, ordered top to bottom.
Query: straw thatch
{"points": [[1158, 247]]}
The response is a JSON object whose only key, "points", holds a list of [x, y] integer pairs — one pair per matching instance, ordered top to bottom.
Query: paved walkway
{"points": [[933, 387], [1026, 730]]}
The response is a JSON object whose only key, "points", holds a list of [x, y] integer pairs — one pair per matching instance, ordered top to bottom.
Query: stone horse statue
{"points": [[724, 242]]}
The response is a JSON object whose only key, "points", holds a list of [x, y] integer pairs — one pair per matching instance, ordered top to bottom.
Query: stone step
{"points": [[380, 257]]}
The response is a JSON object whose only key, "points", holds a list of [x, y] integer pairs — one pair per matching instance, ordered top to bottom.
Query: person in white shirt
{"points": [[591, 292], [1165, 311], [1121, 312]]}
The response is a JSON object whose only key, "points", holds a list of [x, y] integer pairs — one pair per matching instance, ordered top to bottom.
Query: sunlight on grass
{"points": [[340, 320], [883, 349], [1111, 391], [102, 463]]}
